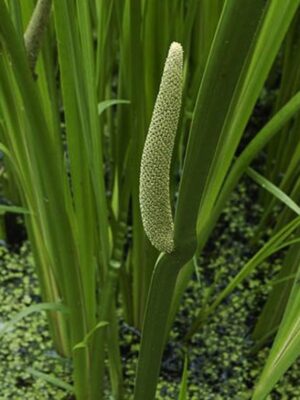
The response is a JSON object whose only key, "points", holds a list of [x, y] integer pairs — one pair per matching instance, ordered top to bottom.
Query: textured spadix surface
{"points": [[157, 154]]}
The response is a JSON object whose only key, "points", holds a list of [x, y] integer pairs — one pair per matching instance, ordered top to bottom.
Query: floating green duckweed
{"points": [[28, 343], [220, 367]]}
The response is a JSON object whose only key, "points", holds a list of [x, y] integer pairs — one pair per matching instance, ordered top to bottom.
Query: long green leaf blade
{"points": [[286, 348]]}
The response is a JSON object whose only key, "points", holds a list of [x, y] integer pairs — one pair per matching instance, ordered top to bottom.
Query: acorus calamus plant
{"points": [[217, 125], [87, 185], [157, 218]]}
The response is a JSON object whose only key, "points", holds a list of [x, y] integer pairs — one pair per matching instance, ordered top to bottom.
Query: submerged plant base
{"points": [[221, 365]]}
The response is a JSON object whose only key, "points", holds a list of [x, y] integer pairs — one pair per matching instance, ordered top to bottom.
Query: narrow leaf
{"points": [[104, 105], [274, 190], [12, 209], [31, 309], [83, 344], [286, 348], [51, 379], [184, 381]]}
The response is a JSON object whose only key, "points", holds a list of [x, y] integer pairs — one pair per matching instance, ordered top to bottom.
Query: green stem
{"points": [[106, 306], [155, 324]]}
